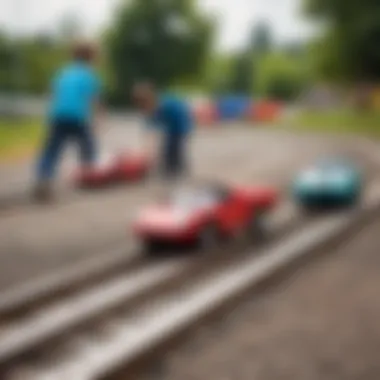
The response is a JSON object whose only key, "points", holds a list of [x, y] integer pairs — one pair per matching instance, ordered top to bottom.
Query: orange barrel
{"points": [[267, 111]]}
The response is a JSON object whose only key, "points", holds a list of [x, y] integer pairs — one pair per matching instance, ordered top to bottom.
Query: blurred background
{"points": [[318, 59], [256, 73]]}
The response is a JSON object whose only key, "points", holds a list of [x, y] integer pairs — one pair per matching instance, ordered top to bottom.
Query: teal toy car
{"points": [[329, 183]]}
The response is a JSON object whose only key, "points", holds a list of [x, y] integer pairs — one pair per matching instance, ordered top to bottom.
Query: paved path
{"points": [[118, 132], [34, 241], [322, 323]]}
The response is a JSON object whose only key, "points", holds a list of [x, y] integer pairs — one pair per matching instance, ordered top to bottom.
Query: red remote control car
{"points": [[121, 168], [204, 214]]}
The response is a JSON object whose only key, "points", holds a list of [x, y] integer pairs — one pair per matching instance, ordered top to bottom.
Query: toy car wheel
{"points": [[355, 199], [309, 209], [256, 226], [209, 238], [150, 247]]}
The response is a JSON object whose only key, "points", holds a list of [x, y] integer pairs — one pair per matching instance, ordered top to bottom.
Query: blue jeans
{"points": [[63, 131], [174, 156]]}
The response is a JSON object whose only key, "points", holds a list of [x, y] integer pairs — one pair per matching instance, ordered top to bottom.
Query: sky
{"points": [[235, 17]]}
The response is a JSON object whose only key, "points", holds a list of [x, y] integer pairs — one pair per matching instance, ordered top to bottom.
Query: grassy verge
{"points": [[338, 121], [19, 138]]}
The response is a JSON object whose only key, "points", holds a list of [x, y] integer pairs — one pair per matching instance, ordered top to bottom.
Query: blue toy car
{"points": [[329, 183]]}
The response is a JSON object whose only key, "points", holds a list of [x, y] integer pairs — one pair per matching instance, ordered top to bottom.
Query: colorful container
{"points": [[232, 107], [265, 111]]}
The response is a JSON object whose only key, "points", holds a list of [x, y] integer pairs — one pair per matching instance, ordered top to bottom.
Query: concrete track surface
{"points": [[35, 240], [79, 300], [321, 322], [99, 330]]}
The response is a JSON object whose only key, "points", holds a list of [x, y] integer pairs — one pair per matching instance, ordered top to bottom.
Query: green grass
{"points": [[338, 121], [19, 137]]}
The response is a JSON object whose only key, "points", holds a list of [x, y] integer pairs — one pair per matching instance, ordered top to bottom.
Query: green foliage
{"points": [[261, 39], [159, 40], [351, 49], [40, 60], [6, 63], [27, 65], [217, 73], [235, 74], [241, 75], [282, 76], [338, 120], [19, 136]]}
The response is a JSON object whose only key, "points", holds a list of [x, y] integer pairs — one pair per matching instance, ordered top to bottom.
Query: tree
{"points": [[261, 39], [164, 41], [350, 50], [40, 59], [6, 64], [28, 64], [216, 73], [241, 75], [282, 76]]}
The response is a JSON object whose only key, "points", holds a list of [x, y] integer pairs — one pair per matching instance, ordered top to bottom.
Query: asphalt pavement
{"points": [[37, 240], [320, 323]]}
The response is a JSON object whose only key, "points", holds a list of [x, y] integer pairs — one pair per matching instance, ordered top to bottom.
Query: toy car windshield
{"points": [[105, 160], [195, 198]]}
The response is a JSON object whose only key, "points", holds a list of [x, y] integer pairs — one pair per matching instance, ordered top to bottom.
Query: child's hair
{"points": [[84, 52]]}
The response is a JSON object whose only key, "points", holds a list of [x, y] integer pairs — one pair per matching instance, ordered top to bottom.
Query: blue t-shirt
{"points": [[74, 90], [173, 117]]}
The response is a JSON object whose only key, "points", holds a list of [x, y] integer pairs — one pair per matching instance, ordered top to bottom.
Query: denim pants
{"points": [[62, 132], [174, 160]]}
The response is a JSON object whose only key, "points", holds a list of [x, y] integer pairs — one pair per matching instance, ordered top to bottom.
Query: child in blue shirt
{"points": [[74, 100], [172, 119]]}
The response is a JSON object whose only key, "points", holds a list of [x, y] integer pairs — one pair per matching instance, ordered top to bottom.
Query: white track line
{"points": [[87, 268], [70, 275], [61, 316], [161, 321], [131, 339]]}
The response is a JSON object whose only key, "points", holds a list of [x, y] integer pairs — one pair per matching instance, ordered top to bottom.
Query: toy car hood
{"points": [[106, 160], [319, 176], [178, 210], [163, 216]]}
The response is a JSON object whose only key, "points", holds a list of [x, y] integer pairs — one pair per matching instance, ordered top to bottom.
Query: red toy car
{"points": [[121, 168], [204, 214]]}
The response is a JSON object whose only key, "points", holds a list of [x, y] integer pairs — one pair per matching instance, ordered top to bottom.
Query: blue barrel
{"points": [[232, 107]]}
